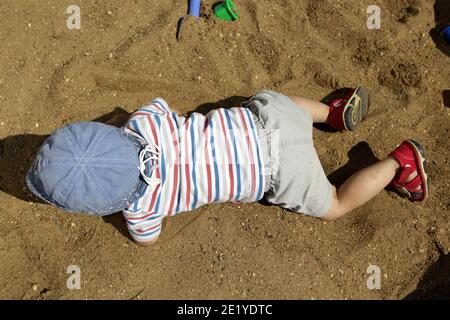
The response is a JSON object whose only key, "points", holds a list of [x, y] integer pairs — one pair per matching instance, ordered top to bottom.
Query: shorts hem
{"points": [[322, 211]]}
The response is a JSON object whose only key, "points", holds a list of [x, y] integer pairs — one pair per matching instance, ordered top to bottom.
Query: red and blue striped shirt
{"points": [[202, 159]]}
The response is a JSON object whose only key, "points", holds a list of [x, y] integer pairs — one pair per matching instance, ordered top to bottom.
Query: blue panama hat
{"points": [[88, 167]]}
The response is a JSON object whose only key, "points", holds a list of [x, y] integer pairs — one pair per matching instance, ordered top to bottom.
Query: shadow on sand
{"points": [[435, 282]]}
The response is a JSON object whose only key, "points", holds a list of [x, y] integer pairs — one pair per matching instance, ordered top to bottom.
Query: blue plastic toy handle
{"points": [[194, 8]]}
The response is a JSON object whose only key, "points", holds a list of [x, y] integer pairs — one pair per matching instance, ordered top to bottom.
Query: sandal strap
{"points": [[342, 101], [336, 103], [403, 173], [414, 183]]}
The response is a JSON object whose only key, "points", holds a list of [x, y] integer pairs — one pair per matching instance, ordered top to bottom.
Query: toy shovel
{"points": [[194, 10]]}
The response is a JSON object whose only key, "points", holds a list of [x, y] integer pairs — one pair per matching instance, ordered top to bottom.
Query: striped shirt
{"points": [[202, 159]]}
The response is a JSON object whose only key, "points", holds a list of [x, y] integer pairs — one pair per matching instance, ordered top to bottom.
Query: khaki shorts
{"points": [[295, 179]]}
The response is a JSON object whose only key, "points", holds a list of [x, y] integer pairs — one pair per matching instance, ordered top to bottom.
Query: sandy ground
{"points": [[125, 55]]}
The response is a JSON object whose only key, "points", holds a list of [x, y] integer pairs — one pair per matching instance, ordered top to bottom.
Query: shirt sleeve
{"points": [[158, 106], [148, 115], [143, 226]]}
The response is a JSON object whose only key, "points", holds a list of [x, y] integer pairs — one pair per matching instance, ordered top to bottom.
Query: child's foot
{"points": [[346, 112], [411, 181]]}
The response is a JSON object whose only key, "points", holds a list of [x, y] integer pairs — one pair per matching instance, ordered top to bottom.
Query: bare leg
{"points": [[318, 110], [363, 186]]}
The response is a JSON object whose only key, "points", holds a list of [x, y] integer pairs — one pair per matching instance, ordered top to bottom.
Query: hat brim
{"points": [[29, 178]]}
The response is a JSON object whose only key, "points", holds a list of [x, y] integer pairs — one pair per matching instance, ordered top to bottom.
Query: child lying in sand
{"points": [[161, 163]]}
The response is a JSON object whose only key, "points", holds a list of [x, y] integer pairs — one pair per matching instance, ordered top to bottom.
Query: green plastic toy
{"points": [[226, 10]]}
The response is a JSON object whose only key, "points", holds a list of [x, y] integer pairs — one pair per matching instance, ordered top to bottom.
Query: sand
{"points": [[125, 55]]}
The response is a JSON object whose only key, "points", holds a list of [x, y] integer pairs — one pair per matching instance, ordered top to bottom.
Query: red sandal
{"points": [[346, 112], [411, 157]]}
